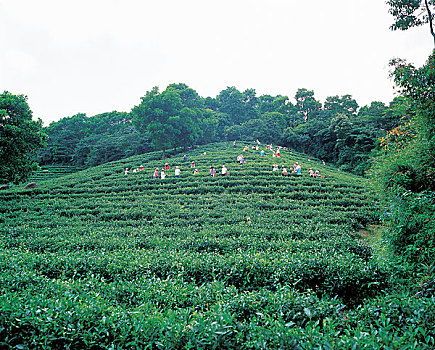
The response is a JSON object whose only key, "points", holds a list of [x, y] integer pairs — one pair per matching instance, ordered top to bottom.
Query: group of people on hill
{"points": [[276, 152], [297, 169], [135, 170], [165, 170], [177, 171], [316, 173]]}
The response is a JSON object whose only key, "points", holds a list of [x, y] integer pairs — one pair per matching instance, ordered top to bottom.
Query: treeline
{"points": [[337, 131], [88, 141]]}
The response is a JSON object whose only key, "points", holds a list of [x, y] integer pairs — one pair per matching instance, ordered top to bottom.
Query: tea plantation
{"points": [[48, 172], [254, 260]]}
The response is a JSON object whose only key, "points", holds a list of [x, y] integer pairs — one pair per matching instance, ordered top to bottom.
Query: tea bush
{"points": [[97, 259]]}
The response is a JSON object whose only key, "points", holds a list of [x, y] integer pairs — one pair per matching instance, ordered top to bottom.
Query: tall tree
{"points": [[412, 13], [250, 101], [231, 102], [266, 104], [306, 105], [341, 105], [153, 115], [171, 118], [209, 126], [65, 135], [19, 137]]}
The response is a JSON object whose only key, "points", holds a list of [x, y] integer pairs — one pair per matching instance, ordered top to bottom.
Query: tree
{"points": [[412, 13], [418, 85], [250, 101], [231, 102], [211, 103], [266, 104], [280, 104], [306, 104], [283, 105], [341, 105], [153, 115], [171, 118], [209, 126], [187, 127], [267, 128], [273, 129], [65, 135], [20, 136], [87, 141], [405, 169]]}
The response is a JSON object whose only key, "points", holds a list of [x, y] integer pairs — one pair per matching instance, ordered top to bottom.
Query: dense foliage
{"points": [[174, 118], [20, 136], [87, 141], [405, 170], [99, 259]]}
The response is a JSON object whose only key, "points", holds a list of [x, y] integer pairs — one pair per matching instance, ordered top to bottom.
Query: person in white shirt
{"points": [[224, 170], [177, 171], [284, 171]]}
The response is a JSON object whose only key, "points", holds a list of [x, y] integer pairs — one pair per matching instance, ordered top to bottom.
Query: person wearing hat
{"points": [[167, 167], [177, 171], [156, 173]]}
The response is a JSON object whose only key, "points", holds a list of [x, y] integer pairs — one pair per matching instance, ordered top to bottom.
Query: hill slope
{"points": [[248, 260]]}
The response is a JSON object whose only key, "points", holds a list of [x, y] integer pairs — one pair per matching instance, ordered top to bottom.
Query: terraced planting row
{"points": [[49, 172], [250, 260]]}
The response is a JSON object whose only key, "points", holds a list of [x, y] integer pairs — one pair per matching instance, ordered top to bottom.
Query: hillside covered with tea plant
{"points": [[100, 259]]}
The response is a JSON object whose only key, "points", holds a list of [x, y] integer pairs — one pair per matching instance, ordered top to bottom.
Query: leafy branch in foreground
{"points": [[412, 13]]}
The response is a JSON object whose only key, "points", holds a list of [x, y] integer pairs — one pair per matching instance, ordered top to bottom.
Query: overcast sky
{"points": [[95, 56]]}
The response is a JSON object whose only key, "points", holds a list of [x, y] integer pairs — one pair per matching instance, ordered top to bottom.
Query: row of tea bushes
{"points": [[49, 172], [254, 260], [334, 272], [76, 317]]}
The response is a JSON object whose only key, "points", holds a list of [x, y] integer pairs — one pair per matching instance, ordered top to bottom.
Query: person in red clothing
{"points": [[167, 167]]}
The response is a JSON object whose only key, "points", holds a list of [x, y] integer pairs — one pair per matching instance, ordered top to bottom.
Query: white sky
{"points": [[95, 56]]}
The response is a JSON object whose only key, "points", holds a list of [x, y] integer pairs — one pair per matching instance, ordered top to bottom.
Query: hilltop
{"points": [[250, 260]]}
